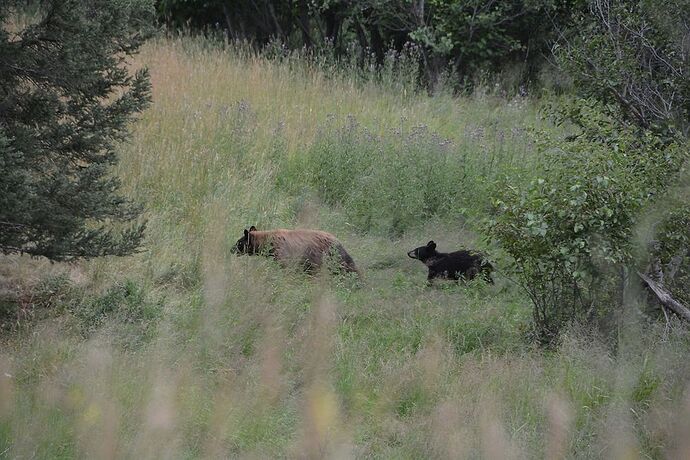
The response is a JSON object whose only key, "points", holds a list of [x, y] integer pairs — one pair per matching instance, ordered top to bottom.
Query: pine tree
{"points": [[67, 98]]}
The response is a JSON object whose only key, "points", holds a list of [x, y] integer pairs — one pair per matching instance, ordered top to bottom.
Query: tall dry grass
{"points": [[186, 350]]}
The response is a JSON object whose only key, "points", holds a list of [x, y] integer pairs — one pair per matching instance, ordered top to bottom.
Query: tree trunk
{"points": [[303, 21], [376, 43]]}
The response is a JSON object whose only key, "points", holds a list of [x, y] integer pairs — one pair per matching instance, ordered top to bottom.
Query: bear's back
{"points": [[297, 244]]}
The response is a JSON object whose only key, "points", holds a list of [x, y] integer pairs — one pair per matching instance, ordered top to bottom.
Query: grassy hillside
{"points": [[187, 351]]}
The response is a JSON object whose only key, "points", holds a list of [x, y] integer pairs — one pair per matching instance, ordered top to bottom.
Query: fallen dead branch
{"points": [[665, 297]]}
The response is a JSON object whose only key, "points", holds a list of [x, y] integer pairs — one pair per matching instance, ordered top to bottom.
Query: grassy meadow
{"points": [[187, 351]]}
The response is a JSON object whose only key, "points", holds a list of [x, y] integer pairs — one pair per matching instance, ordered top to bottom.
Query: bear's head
{"points": [[244, 245], [424, 252]]}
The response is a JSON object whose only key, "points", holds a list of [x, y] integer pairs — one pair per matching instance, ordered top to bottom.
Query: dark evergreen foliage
{"points": [[66, 100]]}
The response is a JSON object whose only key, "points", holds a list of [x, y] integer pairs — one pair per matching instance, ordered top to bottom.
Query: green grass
{"points": [[186, 350]]}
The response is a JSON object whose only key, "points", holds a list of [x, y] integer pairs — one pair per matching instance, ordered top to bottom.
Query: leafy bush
{"points": [[632, 58], [570, 230]]}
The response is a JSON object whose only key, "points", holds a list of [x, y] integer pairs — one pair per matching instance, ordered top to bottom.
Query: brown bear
{"points": [[301, 246]]}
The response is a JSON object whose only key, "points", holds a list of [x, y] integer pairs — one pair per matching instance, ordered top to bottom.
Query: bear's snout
{"points": [[412, 254]]}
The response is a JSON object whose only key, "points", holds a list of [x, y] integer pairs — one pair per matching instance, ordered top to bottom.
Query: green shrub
{"points": [[570, 230]]}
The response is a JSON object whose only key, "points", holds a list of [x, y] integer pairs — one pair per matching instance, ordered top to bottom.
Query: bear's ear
{"points": [[252, 229], [246, 233], [431, 244]]}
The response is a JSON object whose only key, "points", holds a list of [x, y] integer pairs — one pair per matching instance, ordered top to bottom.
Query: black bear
{"points": [[301, 246], [465, 264]]}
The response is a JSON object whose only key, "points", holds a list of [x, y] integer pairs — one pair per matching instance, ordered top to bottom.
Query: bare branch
{"points": [[665, 297]]}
